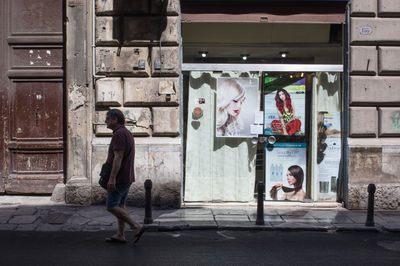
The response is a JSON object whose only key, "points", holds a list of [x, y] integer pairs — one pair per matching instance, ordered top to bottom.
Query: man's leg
{"points": [[123, 216], [121, 225]]}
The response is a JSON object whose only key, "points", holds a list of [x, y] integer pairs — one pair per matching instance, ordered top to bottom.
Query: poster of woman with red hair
{"points": [[284, 106]]}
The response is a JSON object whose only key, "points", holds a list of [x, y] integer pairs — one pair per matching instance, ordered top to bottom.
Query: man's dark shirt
{"points": [[122, 139]]}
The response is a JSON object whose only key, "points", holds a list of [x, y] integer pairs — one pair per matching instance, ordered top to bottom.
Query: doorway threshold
{"points": [[273, 204]]}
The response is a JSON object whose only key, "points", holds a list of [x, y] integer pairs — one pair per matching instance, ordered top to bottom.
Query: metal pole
{"points": [[147, 204], [260, 204], [370, 212]]}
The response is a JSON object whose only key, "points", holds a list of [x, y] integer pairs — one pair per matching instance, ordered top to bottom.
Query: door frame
{"points": [[187, 67]]}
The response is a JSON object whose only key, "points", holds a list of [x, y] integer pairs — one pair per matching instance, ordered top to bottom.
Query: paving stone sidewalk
{"points": [[61, 217]]}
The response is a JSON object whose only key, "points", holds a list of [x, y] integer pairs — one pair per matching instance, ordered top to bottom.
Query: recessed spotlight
{"points": [[203, 54], [284, 54], [244, 56]]}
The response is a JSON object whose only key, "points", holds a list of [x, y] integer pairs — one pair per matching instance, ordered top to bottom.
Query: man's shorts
{"points": [[118, 196]]}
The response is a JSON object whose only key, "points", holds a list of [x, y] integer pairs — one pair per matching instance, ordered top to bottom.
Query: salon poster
{"points": [[237, 105], [284, 105], [332, 124], [282, 161], [328, 169]]}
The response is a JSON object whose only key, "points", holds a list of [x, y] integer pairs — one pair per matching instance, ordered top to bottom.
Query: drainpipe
{"points": [[94, 43], [344, 195]]}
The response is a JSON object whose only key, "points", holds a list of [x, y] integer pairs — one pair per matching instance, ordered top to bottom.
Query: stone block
{"points": [[104, 7], [113, 7], [173, 7], [363, 7], [389, 8], [375, 30], [137, 31], [105, 34], [363, 60], [165, 61], [127, 63], [389, 63], [374, 90], [146, 91], [109, 92], [142, 116], [166, 121], [389, 121], [363, 122], [390, 162], [165, 163], [365, 164], [370, 164], [78, 191], [58, 194], [99, 194], [164, 194], [167, 194], [387, 196], [23, 219]]}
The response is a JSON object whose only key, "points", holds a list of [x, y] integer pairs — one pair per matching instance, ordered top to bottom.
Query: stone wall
{"points": [[138, 69], [374, 142]]}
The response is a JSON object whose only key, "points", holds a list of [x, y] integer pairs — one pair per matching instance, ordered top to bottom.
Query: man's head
{"points": [[114, 119]]}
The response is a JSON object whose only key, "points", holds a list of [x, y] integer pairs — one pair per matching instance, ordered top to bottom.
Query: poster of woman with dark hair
{"points": [[285, 173]]}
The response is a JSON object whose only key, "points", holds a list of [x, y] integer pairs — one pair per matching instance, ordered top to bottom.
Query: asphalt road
{"points": [[201, 248]]}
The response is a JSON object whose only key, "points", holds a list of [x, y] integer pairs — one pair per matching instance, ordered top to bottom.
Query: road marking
{"points": [[176, 235], [226, 236], [390, 245]]}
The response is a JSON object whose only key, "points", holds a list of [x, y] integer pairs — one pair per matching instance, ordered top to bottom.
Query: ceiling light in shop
{"points": [[203, 54], [284, 54], [244, 56]]}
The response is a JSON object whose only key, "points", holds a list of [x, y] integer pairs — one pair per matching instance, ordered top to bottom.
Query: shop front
{"points": [[263, 102]]}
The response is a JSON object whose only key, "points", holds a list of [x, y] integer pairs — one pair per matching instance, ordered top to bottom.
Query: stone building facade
{"points": [[128, 55], [136, 68], [374, 98]]}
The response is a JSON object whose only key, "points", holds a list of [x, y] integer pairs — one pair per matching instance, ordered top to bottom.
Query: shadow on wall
{"points": [[148, 28]]}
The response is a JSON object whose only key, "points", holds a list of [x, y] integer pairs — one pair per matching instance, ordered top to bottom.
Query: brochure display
{"points": [[329, 153]]}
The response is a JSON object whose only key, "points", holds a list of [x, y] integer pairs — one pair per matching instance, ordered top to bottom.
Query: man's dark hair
{"points": [[115, 113]]}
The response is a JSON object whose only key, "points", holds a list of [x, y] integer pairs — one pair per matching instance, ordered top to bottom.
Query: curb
{"points": [[169, 228]]}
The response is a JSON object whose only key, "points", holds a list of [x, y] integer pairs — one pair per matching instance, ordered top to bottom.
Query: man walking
{"points": [[121, 154]]}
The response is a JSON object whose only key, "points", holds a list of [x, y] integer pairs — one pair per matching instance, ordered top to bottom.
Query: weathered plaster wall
{"points": [[142, 78], [374, 142]]}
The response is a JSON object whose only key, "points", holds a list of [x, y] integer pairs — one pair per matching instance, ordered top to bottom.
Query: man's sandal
{"points": [[138, 235], [115, 240]]}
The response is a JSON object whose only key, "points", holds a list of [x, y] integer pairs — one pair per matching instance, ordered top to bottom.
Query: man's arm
{"points": [[118, 156]]}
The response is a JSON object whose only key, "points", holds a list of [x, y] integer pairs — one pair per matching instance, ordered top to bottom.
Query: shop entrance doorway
{"points": [[300, 135]]}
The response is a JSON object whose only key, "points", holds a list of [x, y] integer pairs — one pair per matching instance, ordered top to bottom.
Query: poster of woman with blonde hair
{"points": [[237, 102]]}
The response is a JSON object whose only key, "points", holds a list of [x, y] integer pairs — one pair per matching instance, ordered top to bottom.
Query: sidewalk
{"points": [[40, 214]]}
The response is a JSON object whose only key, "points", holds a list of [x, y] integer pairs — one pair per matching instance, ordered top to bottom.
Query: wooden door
{"points": [[32, 95]]}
